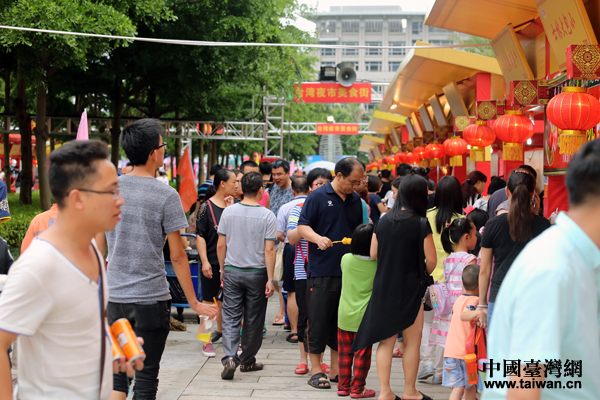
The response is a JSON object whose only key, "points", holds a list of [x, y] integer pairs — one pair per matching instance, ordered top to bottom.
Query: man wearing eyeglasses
{"points": [[329, 214], [136, 271]]}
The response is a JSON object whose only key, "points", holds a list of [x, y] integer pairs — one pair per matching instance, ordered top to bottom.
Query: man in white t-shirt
{"points": [[52, 296]]}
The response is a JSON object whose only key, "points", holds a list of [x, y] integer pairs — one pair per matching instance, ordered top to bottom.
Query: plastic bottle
{"points": [[206, 328], [471, 361]]}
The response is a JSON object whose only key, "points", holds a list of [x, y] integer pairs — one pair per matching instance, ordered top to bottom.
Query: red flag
{"points": [[187, 186]]}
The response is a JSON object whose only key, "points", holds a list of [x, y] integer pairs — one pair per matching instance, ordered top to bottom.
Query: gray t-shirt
{"points": [[246, 228], [136, 265]]}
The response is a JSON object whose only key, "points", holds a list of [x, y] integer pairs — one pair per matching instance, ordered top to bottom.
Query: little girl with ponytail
{"points": [[458, 238]]}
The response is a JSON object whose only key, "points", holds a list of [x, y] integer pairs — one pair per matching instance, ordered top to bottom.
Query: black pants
{"points": [[289, 255], [324, 294], [302, 309], [151, 322]]}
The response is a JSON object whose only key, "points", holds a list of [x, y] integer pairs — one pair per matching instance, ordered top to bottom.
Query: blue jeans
{"points": [[489, 314], [151, 322]]}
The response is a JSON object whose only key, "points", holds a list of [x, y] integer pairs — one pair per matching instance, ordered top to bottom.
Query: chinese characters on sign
{"points": [[510, 56], [334, 93], [337, 129], [536, 368]]}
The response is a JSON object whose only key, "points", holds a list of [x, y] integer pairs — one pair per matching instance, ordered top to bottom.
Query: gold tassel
{"points": [[569, 142], [512, 151], [477, 153], [456, 161], [434, 162], [423, 163]]}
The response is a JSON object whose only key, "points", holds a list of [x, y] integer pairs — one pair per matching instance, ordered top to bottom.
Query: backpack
{"points": [[439, 296]]}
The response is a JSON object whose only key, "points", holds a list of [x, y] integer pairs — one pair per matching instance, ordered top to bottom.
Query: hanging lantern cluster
{"points": [[574, 111], [513, 129], [479, 135], [455, 147], [435, 152], [421, 153], [400, 158], [412, 158], [390, 159]]}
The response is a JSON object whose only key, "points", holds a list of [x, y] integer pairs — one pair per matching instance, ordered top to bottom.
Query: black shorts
{"points": [[289, 256], [210, 286], [323, 302], [302, 308]]}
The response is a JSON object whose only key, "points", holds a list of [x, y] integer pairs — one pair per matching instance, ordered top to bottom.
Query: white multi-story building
{"points": [[374, 26]]}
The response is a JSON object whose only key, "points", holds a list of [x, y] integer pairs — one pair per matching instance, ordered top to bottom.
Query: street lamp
{"points": [[330, 118]]}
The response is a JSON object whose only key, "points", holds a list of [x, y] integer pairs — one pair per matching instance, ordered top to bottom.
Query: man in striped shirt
{"points": [[209, 182]]}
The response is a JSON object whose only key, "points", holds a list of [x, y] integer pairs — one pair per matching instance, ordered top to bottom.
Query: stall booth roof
{"points": [[483, 18], [425, 72], [383, 122]]}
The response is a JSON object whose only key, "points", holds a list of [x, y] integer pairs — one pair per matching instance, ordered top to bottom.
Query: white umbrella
{"points": [[328, 165]]}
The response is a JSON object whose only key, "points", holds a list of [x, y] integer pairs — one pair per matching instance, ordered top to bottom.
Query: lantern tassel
{"points": [[569, 142], [512, 151], [477, 153], [456, 161], [434, 162], [423, 163]]}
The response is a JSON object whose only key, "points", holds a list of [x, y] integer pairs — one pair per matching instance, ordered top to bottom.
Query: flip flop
{"points": [[279, 320], [325, 368], [301, 369], [335, 380], [316, 382], [343, 392], [366, 393], [425, 397]]}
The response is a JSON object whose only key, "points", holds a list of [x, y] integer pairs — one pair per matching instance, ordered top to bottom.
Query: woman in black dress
{"points": [[400, 241]]}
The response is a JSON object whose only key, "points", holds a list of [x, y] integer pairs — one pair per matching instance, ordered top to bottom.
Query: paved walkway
{"points": [[187, 375]]}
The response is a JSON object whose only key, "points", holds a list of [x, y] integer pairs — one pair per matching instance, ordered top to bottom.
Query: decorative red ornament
{"points": [[574, 111], [513, 129], [479, 136], [455, 147], [435, 152], [421, 153], [400, 158], [412, 158], [390, 159]]}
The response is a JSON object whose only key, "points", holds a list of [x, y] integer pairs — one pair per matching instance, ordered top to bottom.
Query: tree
{"points": [[482, 50]]}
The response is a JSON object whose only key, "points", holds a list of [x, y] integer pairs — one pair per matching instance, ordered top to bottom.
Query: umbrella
{"points": [[328, 165]]}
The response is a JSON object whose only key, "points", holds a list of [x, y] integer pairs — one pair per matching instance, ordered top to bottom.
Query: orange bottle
{"points": [[126, 337], [471, 361]]}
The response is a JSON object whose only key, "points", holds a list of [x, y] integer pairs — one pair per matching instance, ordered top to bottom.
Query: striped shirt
{"points": [[202, 190], [301, 248], [454, 265]]}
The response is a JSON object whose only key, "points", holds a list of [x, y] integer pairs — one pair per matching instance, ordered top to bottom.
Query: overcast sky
{"points": [[407, 5]]}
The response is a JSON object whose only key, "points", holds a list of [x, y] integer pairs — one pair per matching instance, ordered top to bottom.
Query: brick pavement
{"points": [[187, 375]]}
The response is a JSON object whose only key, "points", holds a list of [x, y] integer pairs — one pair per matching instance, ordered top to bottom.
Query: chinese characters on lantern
{"points": [[334, 93], [337, 129]]}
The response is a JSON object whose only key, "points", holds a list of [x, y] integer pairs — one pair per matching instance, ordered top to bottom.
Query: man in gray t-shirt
{"points": [[246, 251], [138, 288]]}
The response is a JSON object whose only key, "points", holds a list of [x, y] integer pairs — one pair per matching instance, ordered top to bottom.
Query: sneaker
{"points": [[215, 336], [208, 350], [239, 352], [228, 369], [426, 372], [437, 380]]}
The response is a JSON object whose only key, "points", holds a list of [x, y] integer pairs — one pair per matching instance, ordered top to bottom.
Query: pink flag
{"points": [[82, 131], [292, 167]]}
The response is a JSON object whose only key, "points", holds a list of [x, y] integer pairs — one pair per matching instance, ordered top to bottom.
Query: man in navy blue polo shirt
{"points": [[330, 213]]}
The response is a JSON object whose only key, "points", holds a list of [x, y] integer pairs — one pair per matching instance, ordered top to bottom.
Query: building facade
{"points": [[374, 26]]}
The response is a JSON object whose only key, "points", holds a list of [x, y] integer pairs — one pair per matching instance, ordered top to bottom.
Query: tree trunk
{"points": [[115, 130], [25, 131], [41, 135], [5, 137], [178, 147], [213, 151], [201, 178]]}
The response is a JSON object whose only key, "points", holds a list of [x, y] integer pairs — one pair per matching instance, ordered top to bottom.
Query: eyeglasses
{"points": [[162, 145], [358, 183], [319, 184], [115, 193]]}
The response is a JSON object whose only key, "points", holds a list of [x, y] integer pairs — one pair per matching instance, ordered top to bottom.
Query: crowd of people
{"points": [[357, 258]]}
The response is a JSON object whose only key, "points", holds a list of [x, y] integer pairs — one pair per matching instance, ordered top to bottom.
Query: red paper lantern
{"points": [[574, 111], [513, 129], [479, 136], [455, 147], [435, 152], [421, 153], [400, 158], [412, 158], [390, 159]]}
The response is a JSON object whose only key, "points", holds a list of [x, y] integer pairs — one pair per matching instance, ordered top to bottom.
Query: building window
{"points": [[329, 26], [350, 26], [373, 26], [396, 26], [417, 28], [433, 29], [414, 42], [441, 42], [327, 52], [350, 52], [373, 52], [397, 52], [327, 63], [354, 63], [373, 66], [393, 66], [377, 89]]}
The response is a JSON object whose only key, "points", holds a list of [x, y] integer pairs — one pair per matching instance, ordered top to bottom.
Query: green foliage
{"points": [[482, 50], [14, 230]]}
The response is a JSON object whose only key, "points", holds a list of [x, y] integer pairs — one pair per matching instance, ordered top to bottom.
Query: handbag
{"points": [[278, 274], [476, 343]]}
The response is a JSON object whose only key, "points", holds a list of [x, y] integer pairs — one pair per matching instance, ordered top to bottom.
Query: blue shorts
{"points": [[455, 373]]}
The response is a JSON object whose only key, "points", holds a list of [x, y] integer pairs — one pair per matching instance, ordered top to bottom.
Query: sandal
{"points": [[279, 320], [290, 338], [397, 352], [325, 368], [301, 369], [335, 380], [317, 382], [343, 392], [365, 393], [425, 397]]}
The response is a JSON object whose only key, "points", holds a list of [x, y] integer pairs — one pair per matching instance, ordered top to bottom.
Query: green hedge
{"points": [[14, 230]]}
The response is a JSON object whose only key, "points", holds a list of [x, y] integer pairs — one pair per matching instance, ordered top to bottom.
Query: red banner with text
{"points": [[333, 93], [337, 129]]}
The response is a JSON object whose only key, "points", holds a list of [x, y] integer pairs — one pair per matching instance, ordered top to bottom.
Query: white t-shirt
{"points": [[56, 309]]}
